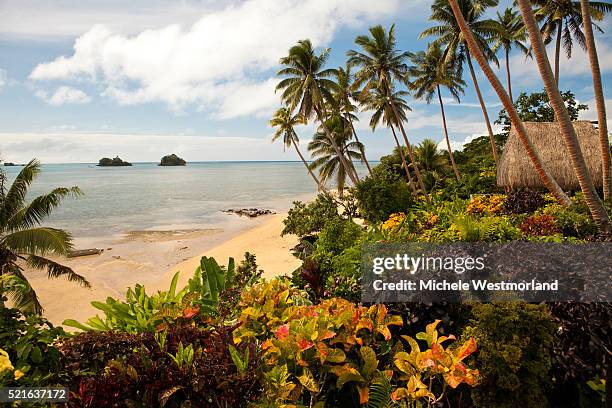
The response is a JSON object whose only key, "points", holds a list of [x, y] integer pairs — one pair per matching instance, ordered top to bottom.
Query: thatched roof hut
{"points": [[515, 169]]}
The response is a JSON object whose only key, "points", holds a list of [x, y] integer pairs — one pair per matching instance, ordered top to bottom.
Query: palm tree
{"points": [[562, 19], [509, 32], [449, 34], [472, 43], [380, 66], [428, 73], [307, 85], [599, 98], [343, 99], [377, 101], [285, 124], [570, 139], [326, 161], [432, 161], [24, 243]]}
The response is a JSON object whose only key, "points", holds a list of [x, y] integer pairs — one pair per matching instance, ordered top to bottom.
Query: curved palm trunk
{"points": [[558, 51], [508, 73], [599, 98], [482, 106], [567, 129], [361, 148], [450, 152], [410, 153], [404, 163], [349, 169], [545, 176], [319, 184]]}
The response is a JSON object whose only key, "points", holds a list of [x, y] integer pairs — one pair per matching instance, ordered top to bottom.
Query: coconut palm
{"points": [[561, 19], [509, 32], [449, 34], [473, 45], [381, 65], [429, 72], [307, 86], [599, 98], [343, 99], [380, 104], [285, 122], [570, 139], [323, 152], [432, 161], [24, 243]]}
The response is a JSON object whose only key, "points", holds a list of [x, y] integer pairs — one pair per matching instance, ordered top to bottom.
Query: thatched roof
{"points": [[515, 169]]}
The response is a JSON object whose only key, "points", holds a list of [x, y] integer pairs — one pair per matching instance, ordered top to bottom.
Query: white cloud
{"points": [[223, 63], [3, 79], [64, 95], [591, 113], [69, 147]]}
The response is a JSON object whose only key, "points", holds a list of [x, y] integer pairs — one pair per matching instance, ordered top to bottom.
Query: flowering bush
{"points": [[488, 204], [394, 222]]}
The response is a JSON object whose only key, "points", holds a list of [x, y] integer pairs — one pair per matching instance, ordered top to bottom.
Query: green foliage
{"points": [[535, 107], [379, 197], [304, 219], [573, 221], [488, 228], [514, 341], [29, 343]]}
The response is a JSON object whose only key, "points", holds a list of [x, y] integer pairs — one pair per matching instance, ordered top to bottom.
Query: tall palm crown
{"points": [[565, 17], [509, 31], [449, 34], [380, 63], [429, 71], [307, 85], [344, 93], [377, 101], [285, 122], [325, 158], [430, 158], [23, 242]]}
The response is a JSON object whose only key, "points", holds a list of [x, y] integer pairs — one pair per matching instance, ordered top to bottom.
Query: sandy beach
{"points": [[152, 257]]}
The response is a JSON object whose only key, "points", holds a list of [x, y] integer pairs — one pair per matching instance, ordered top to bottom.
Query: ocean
{"points": [[149, 197]]}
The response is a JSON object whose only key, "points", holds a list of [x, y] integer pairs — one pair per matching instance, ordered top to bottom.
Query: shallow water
{"points": [[148, 197]]}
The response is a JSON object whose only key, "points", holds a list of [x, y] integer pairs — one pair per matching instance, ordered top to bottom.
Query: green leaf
{"points": [[370, 362], [308, 381]]}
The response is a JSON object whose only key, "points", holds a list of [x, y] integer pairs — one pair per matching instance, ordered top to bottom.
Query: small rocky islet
{"points": [[172, 160], [116, 162], [249, 212]]}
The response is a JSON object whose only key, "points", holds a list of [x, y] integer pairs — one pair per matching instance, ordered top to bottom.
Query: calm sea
{"points": [[148, 197]]}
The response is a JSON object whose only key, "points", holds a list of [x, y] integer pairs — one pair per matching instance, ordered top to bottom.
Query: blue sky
{"points": [[82, 80]]}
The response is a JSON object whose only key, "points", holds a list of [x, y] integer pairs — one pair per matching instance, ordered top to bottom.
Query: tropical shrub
{"points": [[379, 197], [523, 201], [487, 204], [305, 219], [573, 221], [539, 225], [488, 228], [28, 342], [514, 342], [337, 353], [181, 366]]}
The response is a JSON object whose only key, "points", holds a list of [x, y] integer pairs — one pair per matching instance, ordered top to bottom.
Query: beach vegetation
{"points": [[309, 218], [24, 243]]}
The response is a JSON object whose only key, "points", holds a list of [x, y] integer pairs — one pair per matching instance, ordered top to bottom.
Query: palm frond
{"points": [[56, 270]]}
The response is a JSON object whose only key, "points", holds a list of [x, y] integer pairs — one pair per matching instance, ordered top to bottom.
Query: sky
{"points": [[84, 79]]}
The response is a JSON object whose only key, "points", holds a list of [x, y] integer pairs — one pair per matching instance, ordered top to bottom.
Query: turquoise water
{"points": [[147, 197]]}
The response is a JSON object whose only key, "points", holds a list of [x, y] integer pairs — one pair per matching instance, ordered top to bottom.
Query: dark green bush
{"points": [[379, 197], [523, 201], [305, 219], [514, 341], [29, 342]]}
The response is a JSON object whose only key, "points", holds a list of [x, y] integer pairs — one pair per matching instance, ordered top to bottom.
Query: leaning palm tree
{"points": [[561, 19], [509, 32], [449, 34], [473, 45], [381, 65], [428, 73], [307, 86], [599, 98], [343, 99], [377, 101], [285, 124], [570, 139], [323, 152], [24, 243]]}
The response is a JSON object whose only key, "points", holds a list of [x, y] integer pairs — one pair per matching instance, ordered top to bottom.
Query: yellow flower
{"points": [[5, 362], [19, 374]]}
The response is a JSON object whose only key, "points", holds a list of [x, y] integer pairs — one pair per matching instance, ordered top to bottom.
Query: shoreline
{"points": [[152, 257]]}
